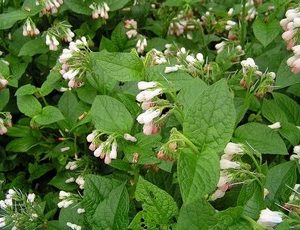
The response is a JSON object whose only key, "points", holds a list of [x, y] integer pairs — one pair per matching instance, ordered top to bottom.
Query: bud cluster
{"points": [[49, 6], [99, 10], [251, 10], [183, 24], [291, 25], [131, 26], [30, 29], [60, 31], [75, 62], [255, 81], [3, 82], [152, 106], [5, 122], [107, 149], [296, 155], [227, 165], [67, 199], [20, 211]]}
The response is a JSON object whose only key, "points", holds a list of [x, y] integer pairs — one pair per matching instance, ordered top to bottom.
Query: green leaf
{"points": [[116, 4], [78, 6], [7, 20], [266, 32], [119, 37], [33, 47], [120, 66], [285, 77], [26, 90], [4, 98], [29, 105], [289, 106], [70, 107], [48, 115], [110, 115], [209, 123], [262, 138], [23, 144], [37, 170], [198, 174], [277, 180], [59, 181], [96, 189], [251, 198], [158, 206], [112, 212], [69, 214], [198, 215]]}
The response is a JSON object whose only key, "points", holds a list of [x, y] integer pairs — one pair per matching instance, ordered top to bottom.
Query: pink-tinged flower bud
{"points": [[283, 23], [290, 26], [131, 33], [288, 35], [290, 44], [296, 49], [291, 60], [3, 83], [142, 85], [147, 105], [148, 116], [150, 129], [3, 130], [91, 136], [92, 147], [98, 152], [107, 159], [227, 164], [217, 194], [268, 218]]}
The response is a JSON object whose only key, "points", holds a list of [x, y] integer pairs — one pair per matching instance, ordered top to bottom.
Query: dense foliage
{"points": [[176, 114]]}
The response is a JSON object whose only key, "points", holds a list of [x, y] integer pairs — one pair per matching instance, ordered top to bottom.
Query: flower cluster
{"points": [[50, 6], [99, 10], [251, 10], [183, 23], [291, 25], [131, 26], [29, 28], [59, 31], [141, 44], [158, 57], [75, 62], [255, 81], [152, 106], [5, 122], [107, 149], [227, 165], [67, 199], [20, 211], [268, 218]]}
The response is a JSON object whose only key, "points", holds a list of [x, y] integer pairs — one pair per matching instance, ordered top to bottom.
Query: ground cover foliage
{"points": [[176, 114]]}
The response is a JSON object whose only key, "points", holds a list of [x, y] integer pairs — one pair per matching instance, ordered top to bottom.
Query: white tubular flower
{"points": [[230, 12], [131, 33], [141, 45], [220, 46], [200, 57], [190, 59], [171, 69], [142, 85], [147, 95], [148, 116], [276, 125], [91, 136], [128, 137], [233, 148], [297, 149], [99, 151], [113, 153], [107, 159], [227, 164], [72, 165], [70, 180], [80, 181], [63, 195], [31, 197], [65, 203], [80, 210], [268, 218], [2, 222], [73, 226]]}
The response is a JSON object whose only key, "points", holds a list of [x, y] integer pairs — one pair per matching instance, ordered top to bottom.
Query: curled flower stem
{"points": [[243, 24]]}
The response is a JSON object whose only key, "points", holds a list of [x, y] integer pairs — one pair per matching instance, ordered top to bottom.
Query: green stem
{"points": [[243, 24], [188, 142]]}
